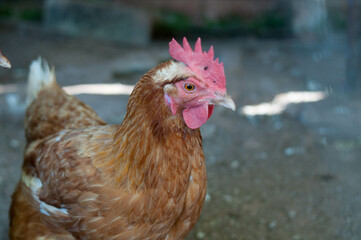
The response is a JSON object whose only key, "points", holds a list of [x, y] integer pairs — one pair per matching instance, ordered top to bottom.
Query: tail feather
{"points": [[40, 76]]}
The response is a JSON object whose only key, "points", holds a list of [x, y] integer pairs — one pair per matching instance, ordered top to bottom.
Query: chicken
{"points": [[4, 62], [142, 179]]}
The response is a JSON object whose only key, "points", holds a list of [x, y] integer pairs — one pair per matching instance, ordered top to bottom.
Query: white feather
{"points": [[172, 71], [40, 76], [34, 184], [48, 210]]}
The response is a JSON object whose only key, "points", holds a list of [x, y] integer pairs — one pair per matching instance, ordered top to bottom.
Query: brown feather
{"points": [[54, 111]]}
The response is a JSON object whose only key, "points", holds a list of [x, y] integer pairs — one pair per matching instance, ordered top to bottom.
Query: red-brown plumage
{"points": [[82, 179]]}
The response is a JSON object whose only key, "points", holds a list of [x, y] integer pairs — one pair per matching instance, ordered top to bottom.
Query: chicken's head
{"points": [[196, 82]]}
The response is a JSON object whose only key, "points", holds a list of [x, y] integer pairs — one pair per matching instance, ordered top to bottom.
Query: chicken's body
{"points": [[83, 179]]}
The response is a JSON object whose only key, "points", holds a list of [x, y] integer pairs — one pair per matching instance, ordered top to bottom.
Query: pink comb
{"points": [[201, 63]]}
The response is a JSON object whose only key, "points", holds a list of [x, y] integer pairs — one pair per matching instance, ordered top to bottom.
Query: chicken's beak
{"points": [[4, 62], [223, 100]]}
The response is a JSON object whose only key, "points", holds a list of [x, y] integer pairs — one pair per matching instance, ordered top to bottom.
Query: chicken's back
{"points": [[50, 109]]}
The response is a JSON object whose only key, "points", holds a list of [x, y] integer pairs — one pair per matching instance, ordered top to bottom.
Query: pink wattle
{"points": [[195, 117]]}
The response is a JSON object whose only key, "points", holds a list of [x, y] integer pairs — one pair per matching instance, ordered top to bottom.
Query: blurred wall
{"points": [[317, 17]]}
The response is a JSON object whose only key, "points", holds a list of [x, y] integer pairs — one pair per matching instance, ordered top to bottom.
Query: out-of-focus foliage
{"points": [[16, 11], [5, 12], [32, 14], [337, 20], [170, 22], [270, 24]]}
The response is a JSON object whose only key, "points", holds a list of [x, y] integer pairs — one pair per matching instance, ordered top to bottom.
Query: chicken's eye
{"points": [[189, 87]]}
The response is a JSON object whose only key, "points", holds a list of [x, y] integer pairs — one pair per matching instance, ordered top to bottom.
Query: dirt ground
{"points": [[288, 175]]}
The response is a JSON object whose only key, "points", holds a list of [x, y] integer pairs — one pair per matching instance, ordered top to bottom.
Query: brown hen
{"points": [[143, 179]]}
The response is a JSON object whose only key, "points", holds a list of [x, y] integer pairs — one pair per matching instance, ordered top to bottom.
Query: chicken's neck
{"points": [[152, 146]]}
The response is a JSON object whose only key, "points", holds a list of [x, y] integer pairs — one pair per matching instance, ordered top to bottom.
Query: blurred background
{"points": [[285, 165]]}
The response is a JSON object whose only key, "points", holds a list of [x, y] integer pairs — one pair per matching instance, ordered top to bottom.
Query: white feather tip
{"points": [[40, 76]]}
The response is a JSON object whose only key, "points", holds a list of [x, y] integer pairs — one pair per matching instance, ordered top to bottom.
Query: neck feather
{"points": [[151, 143]]}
